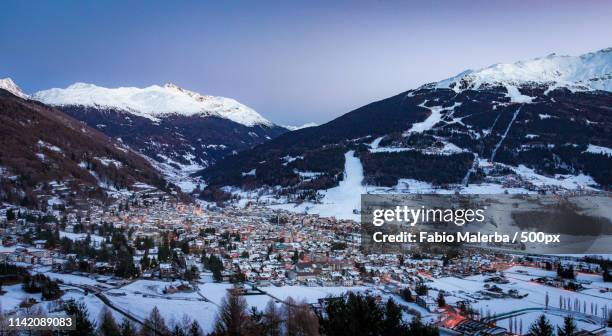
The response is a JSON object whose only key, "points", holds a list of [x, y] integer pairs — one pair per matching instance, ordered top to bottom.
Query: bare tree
{"points": [[233, 318], [272, 319], [300, 320], [154, 325]]}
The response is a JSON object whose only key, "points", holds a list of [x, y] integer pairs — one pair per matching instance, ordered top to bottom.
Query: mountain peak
{"points": [[591, 71], [9, 85], [81, 85], [173, 86], [152, 102]]}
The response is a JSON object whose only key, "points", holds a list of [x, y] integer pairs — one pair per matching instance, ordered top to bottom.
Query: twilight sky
{"points": [[293, 62]]}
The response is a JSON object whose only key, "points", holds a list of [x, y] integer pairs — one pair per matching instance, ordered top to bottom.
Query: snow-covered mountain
{"points": [[591, 71], [10, 86], [153, 102], [530, 126], [181, 131]]}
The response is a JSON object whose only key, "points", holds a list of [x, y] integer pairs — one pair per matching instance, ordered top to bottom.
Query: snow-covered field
{"points": [[308, 294], [13, 296], [141, 305], [528, 309]]}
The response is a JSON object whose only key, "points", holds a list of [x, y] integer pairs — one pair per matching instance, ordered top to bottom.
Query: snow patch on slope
{"points": [[516, 96], [152, 102], [429, 122], [306, 125], [599, 150], [340, 201]]}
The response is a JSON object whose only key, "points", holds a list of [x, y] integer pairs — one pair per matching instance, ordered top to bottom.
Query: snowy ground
{"points": [[95, 239], [308, 294], [13, 296], [139, 297], [141, 305], [531, 307]]}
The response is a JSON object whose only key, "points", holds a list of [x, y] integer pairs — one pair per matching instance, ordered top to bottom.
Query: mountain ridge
{"points": [[590, 71], [9, 85], [152, 102], [467, 130], [181, 131]]}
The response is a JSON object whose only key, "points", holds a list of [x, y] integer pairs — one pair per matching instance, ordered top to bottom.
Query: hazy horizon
{"points": [[292, 62]]}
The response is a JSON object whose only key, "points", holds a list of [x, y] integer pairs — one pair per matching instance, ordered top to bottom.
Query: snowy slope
{"points": [[591, 71], [10, 86], [152, 102], [295, 128]]}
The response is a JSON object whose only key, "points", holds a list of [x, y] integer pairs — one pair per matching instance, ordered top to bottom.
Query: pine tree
{"points": [[10, 214], [295, 257], [125, 265], [606, 275], [421, 289], [407, 294], [441, 300], [154, 324], [392, 324], [83, 325], [108, 325], [541, 327], [569, 327], [127, 328], [417, 328], [195, 329], [178, 331]]}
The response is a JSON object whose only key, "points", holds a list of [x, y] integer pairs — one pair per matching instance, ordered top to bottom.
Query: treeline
{"points": [[560, 159], [324, 160], [385, 169], [275, 170], [116, 251], [214, 264], [11, 273], [39, 283], [352, 314], [358, 314]]}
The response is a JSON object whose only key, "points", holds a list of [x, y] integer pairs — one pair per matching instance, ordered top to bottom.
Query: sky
{"points": [[292, 61]]}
